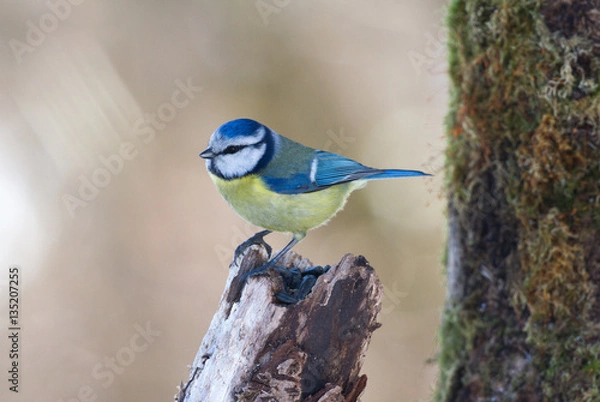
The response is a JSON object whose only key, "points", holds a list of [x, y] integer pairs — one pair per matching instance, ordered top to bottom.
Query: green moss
{"points": [[523, 163], [453, 342]]}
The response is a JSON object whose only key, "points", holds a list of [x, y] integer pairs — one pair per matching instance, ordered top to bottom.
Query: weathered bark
{"points": [[522, 316], [257, 349]]}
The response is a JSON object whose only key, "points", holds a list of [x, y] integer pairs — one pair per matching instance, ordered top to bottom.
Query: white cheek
{"points": [[240, 163]]}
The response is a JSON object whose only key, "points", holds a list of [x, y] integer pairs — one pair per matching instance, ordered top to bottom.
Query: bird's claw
{"points": [[258, 239]]}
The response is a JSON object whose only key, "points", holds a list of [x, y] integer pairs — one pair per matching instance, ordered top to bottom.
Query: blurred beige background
{"points": [[110, 214]]}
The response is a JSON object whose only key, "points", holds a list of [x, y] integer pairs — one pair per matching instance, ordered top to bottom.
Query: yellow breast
{"points": [[294, 213]]}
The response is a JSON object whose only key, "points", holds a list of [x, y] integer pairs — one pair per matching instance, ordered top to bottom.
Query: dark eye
{"points": [[232, 149]]}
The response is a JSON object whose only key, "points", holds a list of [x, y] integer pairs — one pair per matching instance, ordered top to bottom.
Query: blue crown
{"points": [[239, 127]]}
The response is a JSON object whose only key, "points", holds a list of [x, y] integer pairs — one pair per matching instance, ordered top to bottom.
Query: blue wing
{"points": [[325, 169]]}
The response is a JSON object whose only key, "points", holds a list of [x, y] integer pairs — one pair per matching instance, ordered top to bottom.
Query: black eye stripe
{"points": [[235, 148], [232, 149]]}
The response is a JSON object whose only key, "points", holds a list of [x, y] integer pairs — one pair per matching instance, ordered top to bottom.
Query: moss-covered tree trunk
{"points": [[522, 318]]}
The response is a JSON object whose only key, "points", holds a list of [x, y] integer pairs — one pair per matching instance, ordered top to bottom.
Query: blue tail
{"points": [[393, 173]]}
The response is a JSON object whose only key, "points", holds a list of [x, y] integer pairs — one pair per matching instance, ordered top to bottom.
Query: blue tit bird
{"points": [[281, 185]]}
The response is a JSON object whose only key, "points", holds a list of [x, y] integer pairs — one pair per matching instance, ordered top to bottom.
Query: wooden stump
{"points": [[258, 349]]}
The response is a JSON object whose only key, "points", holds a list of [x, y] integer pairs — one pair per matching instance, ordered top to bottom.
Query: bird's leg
{"points": [[257, 238], [271, 263], [297, 284]]}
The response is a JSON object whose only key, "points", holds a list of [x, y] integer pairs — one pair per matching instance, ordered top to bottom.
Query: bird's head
{"points": [[238, 148]]}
